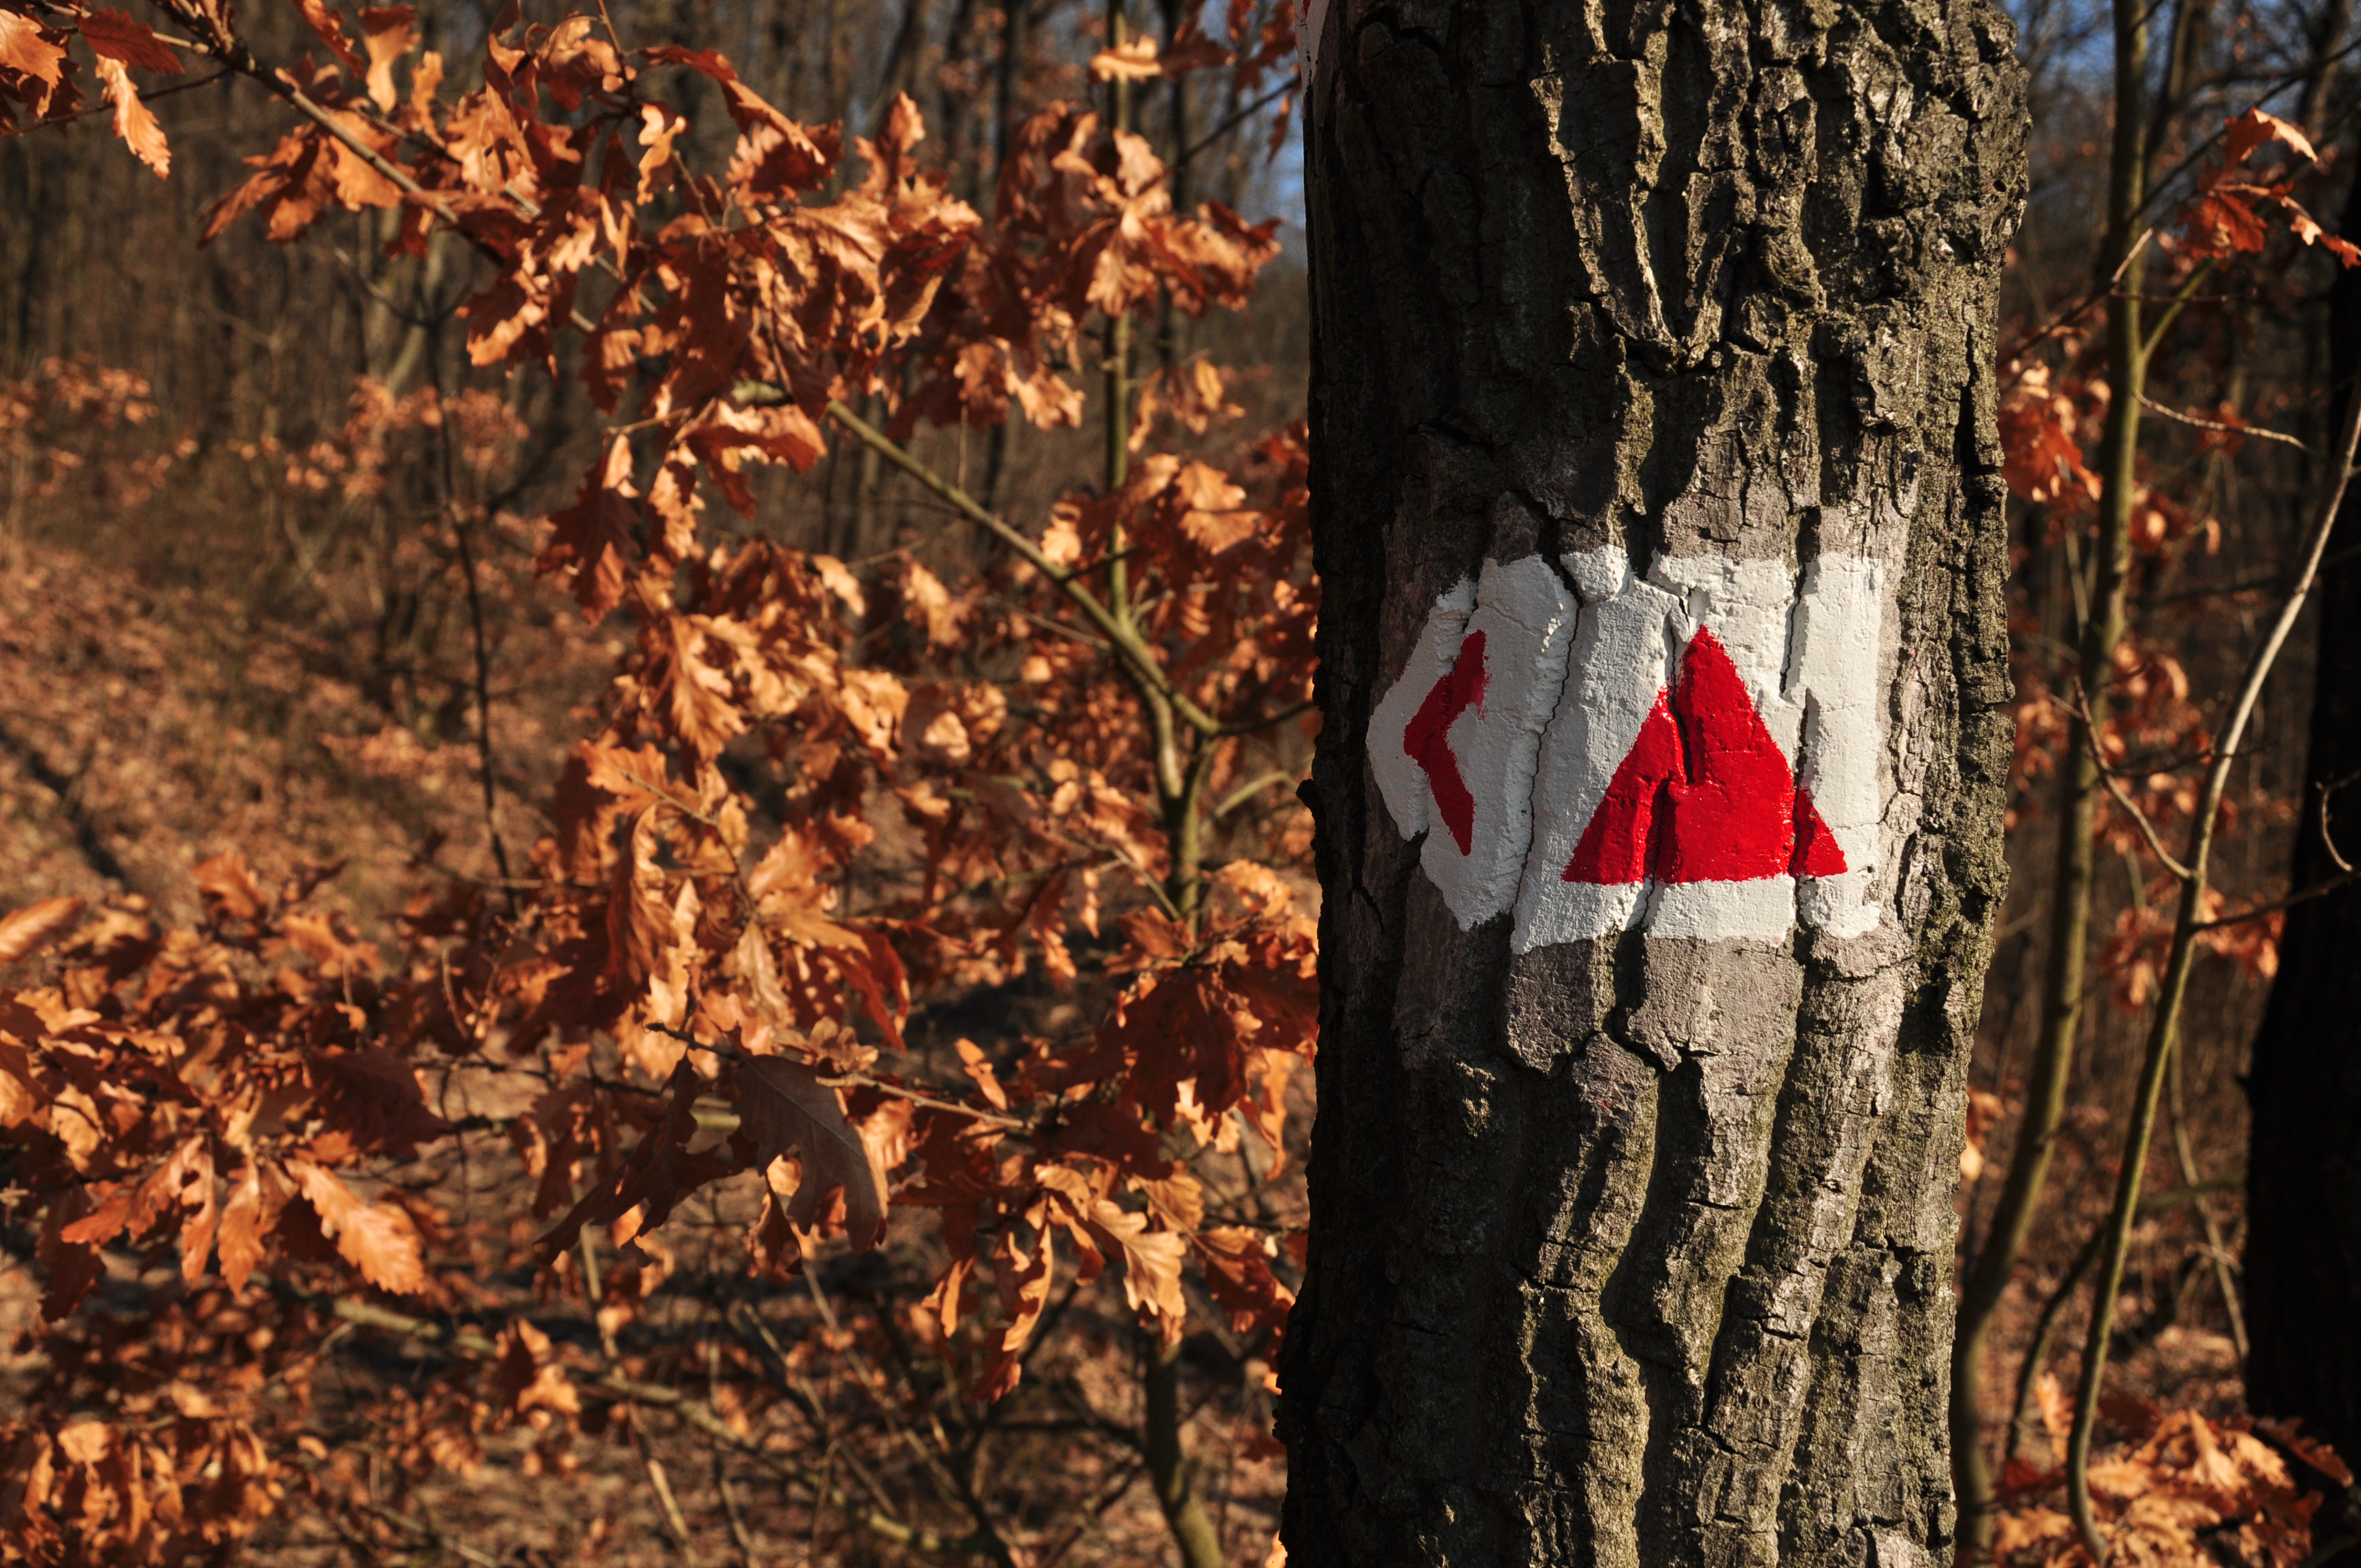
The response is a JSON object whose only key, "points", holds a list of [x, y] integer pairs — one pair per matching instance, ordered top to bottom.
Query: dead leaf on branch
{"points": [[330, 28], [389, 32], [116, 35], [36, 56], [134, 121], [2255, 128], [784, 1108], [378, 1239]]}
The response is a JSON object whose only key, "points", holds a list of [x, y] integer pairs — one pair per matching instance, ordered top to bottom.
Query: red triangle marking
{"points": [[1427, 738], [1731, 810], [1736, 821], [1614, 847], [1816, 851]]}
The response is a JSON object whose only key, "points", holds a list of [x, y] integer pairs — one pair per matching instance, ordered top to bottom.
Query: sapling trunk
{"points": [[2164, 1031]]}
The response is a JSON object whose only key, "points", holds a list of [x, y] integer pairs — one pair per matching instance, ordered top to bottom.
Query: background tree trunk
{"points": [[2303, 1172], [1638, 1249]]}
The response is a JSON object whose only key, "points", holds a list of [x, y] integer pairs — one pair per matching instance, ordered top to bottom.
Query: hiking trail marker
{"points": [[1691, 754]]}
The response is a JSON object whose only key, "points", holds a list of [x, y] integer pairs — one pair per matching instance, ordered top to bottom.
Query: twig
{"points": [[234, 54], [146, 95], [1234, 122], [2156, 188], [2165, 317], [2254, 430], [2247, 584], [1056, 628], [1133, 652], [483, 692], [1267, 721], [1247, 791], [2139, 817], [2328, 839], [2316, 890], [865, 1080], [2185, 1152], [2029, 1373], [800, 1394], [1093, 1509], [674, 1521], [739, 1535]]}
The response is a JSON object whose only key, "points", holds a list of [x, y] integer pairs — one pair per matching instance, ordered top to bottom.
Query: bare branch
{"points": [[2254, 430], [1125, 639], [2139, 817]]}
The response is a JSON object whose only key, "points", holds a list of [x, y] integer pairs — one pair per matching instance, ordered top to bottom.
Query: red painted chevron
{"points": [[1427, 738]]}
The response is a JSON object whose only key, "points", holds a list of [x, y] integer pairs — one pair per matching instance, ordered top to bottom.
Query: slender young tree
{"points": [[1659, 517]]}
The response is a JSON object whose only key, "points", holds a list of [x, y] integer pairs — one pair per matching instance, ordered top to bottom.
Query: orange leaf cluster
{"points": [[2224, 215], [813, 796], [2185, 1493]]}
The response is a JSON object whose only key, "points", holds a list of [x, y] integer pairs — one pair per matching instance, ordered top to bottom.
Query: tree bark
{"points": [[2303, 1170], [1636, 1247]]}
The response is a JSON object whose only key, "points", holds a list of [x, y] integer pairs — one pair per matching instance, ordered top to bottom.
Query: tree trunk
{"points": [[2303, 1170], [1631, 1189]]}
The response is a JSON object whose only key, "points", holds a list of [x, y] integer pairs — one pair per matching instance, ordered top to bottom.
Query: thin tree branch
{"points": [[1235, 121], [2257, 431], [1125, 639], [1267, 721], [1247, 791], [2131, 808], [2317, 890], [866, 1081], [676, 1522], [421, 1530]]}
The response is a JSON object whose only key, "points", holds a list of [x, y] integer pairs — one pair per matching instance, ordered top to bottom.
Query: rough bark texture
{"points": [[2303, 1172], [1638, 1250]]}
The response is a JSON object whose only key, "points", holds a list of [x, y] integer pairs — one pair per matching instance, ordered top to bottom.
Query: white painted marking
{"points": [[1307, 42], [1839, 625], [1621, 659], [1694, 754], [1401, 780], [1471, 794], [1763, 910]]}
